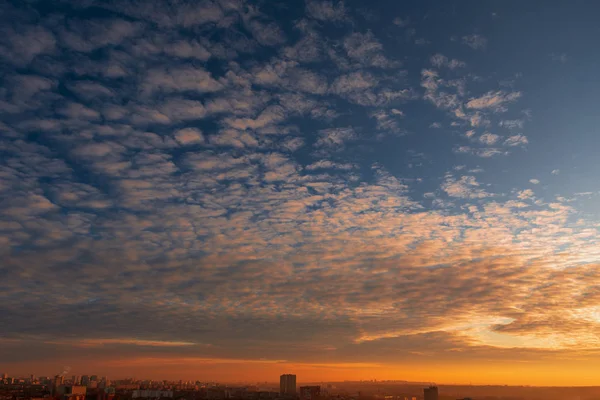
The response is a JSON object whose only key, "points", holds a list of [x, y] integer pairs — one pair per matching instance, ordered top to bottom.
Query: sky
{"points": [[231, 190]]}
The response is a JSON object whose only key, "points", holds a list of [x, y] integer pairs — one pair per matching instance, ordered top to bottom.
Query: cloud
{"points": [[326, 10], [186, 15], [401, 22], [267, 34], [86, 36], [476, 42], [23, 45], [309, 48], [185, 49], [367, 50], [560, 57], [441, 61], [287, 75], [180, 79], [356, 81], [431, 81], [29, 85], [362, 88], [90, 90], [493, 100], [182, 109], [79, 111], [269, 116], [477, 119], [387, 121], [512, 124], [187, 136], [335, 137], [234, 138], [488, 138], [516, 140], [293, 144], [97, 149], [484, 152], [326, 164], [466, 187], [525, 194], [79, 196], [125, 341]]}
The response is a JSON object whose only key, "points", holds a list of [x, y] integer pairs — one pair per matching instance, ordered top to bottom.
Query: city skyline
{"points": [[340, 189], [282, 384], [57, 388]]}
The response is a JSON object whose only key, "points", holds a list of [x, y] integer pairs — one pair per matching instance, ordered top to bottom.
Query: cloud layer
{"points": [[215, 181]]}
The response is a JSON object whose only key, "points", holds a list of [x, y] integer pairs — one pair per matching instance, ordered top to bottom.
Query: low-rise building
{"points": [[310, 392], [152, 394]]}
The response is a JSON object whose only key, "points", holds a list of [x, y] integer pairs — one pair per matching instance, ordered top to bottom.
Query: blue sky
{"points": [[317, 184]]}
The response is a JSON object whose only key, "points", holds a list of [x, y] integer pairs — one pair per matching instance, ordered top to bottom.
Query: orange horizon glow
{"points": [[513, 373]]}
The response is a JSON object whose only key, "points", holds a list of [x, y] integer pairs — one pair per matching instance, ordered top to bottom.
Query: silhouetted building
{"points": [[85, 379], [56, 383], [287, 384], [128, 386], [71, 392], [310, 392], [430, 393], [154, 394], [215, 394]]}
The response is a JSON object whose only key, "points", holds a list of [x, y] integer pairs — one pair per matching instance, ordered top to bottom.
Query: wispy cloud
{"points": [[326, 10], [475, 41], [560, 57], [440, 61], [493, 100], [516, 140], [133, 342]]}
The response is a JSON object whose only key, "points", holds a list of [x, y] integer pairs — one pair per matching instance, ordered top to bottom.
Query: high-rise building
{"points": [[94, 378], [85, 380], [56, 383], [104, 383], [287, 384], [310, 392], [430, 393]]}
